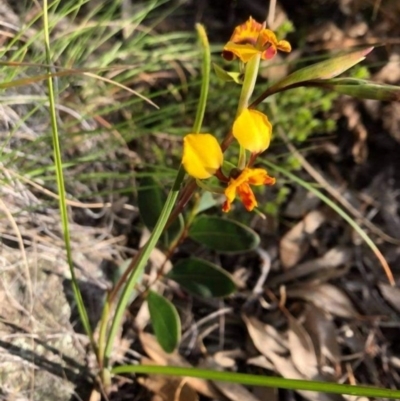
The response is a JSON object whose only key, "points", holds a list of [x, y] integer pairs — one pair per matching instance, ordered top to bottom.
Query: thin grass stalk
{"points": [[60, 182]]}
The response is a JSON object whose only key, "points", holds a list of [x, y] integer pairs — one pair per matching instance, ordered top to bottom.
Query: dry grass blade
{"points": [[65, 73]]}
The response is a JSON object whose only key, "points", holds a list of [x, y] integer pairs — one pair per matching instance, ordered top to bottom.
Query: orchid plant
{"points": [[202, 154], [203, 161]]}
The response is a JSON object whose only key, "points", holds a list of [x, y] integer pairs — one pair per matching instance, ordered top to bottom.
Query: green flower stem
{"points": [[250, 78], [205, 83], [242, 158], [190, 187], [259, 380]]}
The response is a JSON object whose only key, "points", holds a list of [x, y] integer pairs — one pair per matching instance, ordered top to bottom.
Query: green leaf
{"points": [[324, 70], [227, 76], [360, 88], [151, 199], [223, 235], [203, 278], [165, 320], [259, 380]]}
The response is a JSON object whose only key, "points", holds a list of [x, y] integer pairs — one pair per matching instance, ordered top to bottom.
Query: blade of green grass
{"points": [[60, 183], [254, 380]]}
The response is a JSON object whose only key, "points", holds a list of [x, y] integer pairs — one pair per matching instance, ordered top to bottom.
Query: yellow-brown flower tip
{"points": [[247, 32], [249, 39], [269, 44], [252, 130], [202, 155], [241, 186]]}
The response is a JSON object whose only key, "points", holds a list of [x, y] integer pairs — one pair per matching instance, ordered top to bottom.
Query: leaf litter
{"points": [[309, 262]]}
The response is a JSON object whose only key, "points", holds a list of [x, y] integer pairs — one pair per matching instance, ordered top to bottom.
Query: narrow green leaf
{"points": [[324, 70], [205, 72], [227, 76], [360, 88], [58, 164], [151, 199], [223, 235], [203, 278], [165, 320], [260, 380]]}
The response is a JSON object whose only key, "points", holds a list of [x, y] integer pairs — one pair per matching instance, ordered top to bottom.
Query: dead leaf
{"points": [[355, 124], [302, 202], [295, 243], [334, 258], [391, 295], [327, 297], [322, 332], [265, 337], [302, 349], [156, 353], [227, 358], [261, 361], [284, 366], [169, 388], [235, 392], [266, 393], [95, 395]]}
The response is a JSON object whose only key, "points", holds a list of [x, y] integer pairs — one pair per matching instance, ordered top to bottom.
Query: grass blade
{"points": [[60, 182], [266, 381]]}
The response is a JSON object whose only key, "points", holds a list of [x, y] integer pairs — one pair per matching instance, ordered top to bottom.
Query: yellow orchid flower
{"points": [[251, 38], [252, 130], [202, 155], [203, 158], [241, 186]]}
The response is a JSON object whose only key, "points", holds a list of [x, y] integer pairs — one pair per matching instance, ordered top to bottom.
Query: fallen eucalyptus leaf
{"points": [[327, 297], [302, 349], [158, 355]]}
